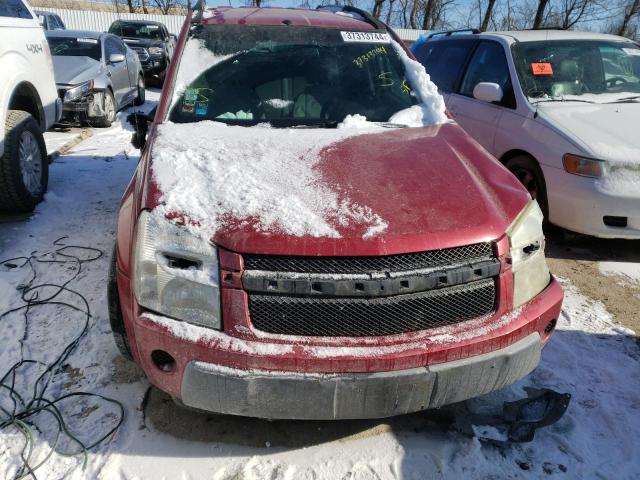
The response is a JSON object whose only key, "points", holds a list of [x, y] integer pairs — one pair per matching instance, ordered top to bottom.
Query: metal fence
{"points": [[100, 21]]}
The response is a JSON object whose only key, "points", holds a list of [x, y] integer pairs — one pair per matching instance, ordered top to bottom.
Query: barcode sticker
{"points": [[365, 37]]}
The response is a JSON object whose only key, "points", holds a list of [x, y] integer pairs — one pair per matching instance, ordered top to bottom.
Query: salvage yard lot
{"points": [[594, 356]]}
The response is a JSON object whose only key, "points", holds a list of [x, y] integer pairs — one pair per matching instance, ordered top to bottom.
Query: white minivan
{"points": [[29, 105], [560, 109]]}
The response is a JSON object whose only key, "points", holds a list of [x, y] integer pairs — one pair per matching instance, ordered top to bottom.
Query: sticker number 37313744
{"points": [[365, 37]]}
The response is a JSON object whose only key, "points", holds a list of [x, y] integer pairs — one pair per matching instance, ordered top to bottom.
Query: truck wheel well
{"points": [[25, 98]]}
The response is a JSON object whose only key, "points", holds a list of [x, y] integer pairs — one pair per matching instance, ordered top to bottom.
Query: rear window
{"points": [[14, 8], [444, 61]]}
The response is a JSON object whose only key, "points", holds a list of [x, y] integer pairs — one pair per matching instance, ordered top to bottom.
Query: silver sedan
{"points": [[96, 74]]}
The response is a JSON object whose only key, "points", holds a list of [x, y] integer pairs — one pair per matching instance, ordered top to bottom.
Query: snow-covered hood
{"points": [[143, 42], [74, 70], [606, 131], [260, 190]]}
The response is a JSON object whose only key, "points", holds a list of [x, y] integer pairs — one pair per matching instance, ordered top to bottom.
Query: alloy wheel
{"points": [[30, 163]]}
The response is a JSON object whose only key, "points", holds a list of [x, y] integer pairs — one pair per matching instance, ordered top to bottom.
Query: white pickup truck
{"points": [[29, 105]]}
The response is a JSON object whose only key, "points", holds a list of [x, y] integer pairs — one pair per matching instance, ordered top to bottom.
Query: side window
{"points": [[14, 8], [59, 22], [119, 46], [110, 47], [444, 61], [488, 64]]}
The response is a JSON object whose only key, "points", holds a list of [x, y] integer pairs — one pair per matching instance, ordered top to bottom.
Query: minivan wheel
{"points": [[141, 92], [109, 109], [24, 168], [528, 172], [115, 312]]}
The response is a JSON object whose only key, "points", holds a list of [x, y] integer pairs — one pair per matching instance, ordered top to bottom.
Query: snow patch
{"points": [[196, 59], [432, 109], [215, 173], [628, 270]]}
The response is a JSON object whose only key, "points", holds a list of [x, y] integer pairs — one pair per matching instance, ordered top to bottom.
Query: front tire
{"points": [[140, 98], [109, 109], [24, 168], [528, 172], [115, 312]]}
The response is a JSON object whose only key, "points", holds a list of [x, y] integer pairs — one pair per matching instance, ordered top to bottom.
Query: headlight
{"points": [[156, 51], [78, 91], [586, 167], [526, 240], [176, 273]]}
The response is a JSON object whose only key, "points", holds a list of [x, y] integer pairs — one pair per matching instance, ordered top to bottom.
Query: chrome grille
{"points": [[143, 55], [387, 263], [355, 317]]}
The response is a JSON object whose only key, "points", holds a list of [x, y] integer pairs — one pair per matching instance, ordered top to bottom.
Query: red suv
{"points": [[308, 236]]}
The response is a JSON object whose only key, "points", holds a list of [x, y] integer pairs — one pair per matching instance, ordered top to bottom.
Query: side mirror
{"points": [[172, 35], [116, 58], [488, 92], [140, 122]]}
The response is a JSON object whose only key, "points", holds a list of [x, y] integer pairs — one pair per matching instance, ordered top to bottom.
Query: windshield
{"points": [[136, 30], [74, 47], [589, 70], [289, 76]]}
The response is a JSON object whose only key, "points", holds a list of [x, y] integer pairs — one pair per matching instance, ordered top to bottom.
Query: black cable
{"points": [[21, 415]]}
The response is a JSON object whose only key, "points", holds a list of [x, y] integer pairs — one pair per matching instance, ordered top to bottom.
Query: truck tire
{"points": [[109, 109], [24, 167], [115, 312]]}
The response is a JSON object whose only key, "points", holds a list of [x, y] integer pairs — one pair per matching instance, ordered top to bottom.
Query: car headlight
{"points": [[156, 51], [79, 91], [586, 167], [529, 267], [175, 272]]}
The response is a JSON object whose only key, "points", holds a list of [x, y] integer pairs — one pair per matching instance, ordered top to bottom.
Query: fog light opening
{"points": [[550, 327], [163, 361]]}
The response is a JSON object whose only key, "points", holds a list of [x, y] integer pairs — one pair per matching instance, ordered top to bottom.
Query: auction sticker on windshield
{"points": [[365, 37]]}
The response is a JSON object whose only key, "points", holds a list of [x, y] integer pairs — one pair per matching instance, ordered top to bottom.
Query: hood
{"points": [[142, 42], [74, 70], [606, 131], [433, 187]]}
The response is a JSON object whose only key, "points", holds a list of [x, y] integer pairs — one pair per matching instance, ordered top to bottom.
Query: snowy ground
{"points": [[590, 357]]}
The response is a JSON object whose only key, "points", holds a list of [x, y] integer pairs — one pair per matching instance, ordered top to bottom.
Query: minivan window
{"points": [[14, 8], [444, 61], [488, 64], [583, 68], [290, 76]]}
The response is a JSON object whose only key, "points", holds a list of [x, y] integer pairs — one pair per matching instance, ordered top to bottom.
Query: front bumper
{"points": [[154, 67], [580, 204], [474, 358], [278, 395]]}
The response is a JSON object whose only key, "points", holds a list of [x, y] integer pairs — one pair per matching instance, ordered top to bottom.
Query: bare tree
{"points": [[377, 8], [632, 10], [487, 15], [539, 18]]}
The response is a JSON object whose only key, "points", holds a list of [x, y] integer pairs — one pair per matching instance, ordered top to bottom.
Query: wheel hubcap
{"points": [[30, 163]]}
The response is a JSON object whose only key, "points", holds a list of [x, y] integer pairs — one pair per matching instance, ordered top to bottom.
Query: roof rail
{"points": [[366, 16], [448, 33]]}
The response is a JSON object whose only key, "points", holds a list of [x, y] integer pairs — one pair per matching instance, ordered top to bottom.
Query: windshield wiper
{"points": [[626, 99], [545, 100]]}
